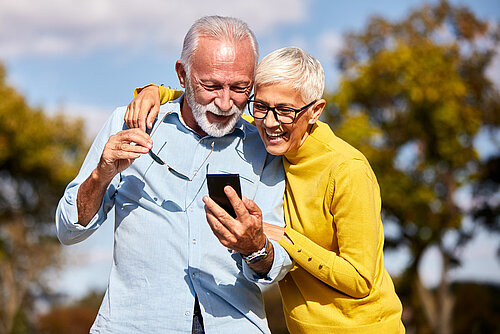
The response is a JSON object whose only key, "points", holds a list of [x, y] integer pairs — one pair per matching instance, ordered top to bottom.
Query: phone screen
{"points": [[216, 184]]}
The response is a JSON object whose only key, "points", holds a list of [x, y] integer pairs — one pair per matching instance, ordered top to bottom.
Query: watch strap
{"points": [[257, 255]]}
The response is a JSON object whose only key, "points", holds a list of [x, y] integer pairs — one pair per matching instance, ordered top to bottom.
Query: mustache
{"points": [[211, 107]]}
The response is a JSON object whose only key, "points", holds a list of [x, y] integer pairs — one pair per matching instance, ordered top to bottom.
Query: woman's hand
{"points": [[143, 109], [276, 233]]}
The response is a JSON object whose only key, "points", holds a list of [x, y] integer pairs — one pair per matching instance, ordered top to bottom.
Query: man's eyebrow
{"points": [[209, 82], [218, 82], [246, 83]]}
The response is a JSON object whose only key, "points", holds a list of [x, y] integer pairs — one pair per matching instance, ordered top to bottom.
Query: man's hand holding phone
{"points": [[244, 233]]}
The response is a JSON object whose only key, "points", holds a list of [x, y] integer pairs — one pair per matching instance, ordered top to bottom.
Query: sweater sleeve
{"points": [[166, 93], [356, 209]]}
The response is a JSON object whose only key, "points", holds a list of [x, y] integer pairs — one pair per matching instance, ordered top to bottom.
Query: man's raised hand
{"points": [[121, 150]]}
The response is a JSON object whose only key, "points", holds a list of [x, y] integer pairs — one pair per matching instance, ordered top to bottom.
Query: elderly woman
{"points": [[332, 206]]}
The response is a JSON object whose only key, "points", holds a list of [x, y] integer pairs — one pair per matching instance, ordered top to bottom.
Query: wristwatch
{"points": [[257, 255]]}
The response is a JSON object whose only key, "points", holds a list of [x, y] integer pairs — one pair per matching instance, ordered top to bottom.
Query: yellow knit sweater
{"points": [[332, 213]]}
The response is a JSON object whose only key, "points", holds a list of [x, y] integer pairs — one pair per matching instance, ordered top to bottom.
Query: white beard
{"points": [[215, 129]]}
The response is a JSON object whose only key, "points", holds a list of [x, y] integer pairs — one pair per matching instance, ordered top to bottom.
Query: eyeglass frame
{"points": [[273, 109], [158, 160]]}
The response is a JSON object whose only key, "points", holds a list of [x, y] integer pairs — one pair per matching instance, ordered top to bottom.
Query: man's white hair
{"points": [[218, 27], [293, 67]]}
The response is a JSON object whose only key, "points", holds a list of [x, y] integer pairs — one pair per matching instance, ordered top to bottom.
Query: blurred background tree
{"points": [[414, 97], [38, 156], [76, 318]]}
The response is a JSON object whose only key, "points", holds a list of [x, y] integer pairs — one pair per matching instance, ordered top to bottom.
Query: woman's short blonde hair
{"points": [[293, 67]]}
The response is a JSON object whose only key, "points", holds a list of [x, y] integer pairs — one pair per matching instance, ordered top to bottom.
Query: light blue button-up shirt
{"points": [[164, 250]]}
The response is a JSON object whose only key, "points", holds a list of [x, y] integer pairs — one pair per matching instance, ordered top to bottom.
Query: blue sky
{"points": [[85, 57]]}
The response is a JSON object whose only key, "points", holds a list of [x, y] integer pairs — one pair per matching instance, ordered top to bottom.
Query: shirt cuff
{"points": [[68, 230], [282, 264]]}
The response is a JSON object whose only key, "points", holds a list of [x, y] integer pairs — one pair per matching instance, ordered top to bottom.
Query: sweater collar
{"points": [[307, 150]]}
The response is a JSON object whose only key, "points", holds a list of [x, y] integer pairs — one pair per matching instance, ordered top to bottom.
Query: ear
{"points": [[181, 73], [317, 109]]}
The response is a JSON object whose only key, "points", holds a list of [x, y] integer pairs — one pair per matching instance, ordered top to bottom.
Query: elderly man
{"points": [[170, 272]]}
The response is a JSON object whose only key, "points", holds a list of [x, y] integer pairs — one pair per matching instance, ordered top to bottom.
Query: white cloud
{"points": [[55, 27], [329, 44], [94, 117]]}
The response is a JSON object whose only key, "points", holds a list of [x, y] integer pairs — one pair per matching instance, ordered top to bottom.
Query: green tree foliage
{"points": [[414, 96], [38, 156]]}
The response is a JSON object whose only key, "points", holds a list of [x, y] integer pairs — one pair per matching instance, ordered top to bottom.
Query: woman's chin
{"points": [[276, 147]]}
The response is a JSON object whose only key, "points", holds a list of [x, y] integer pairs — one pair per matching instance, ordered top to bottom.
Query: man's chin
{"points": [[218, 126]]}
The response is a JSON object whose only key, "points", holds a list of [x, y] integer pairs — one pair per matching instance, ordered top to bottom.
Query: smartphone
{"points": [[216, 184]]}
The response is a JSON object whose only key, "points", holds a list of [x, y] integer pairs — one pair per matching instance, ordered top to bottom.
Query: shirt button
{"points": [[194, 241], [299, 250], [309, 259], [320, 266], [187, 313]]}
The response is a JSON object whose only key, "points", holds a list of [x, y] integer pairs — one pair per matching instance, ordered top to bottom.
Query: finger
{"points": [[144, 110], [135, 112], [128, 114], [152, 115], [126, 118], [136, 136], [125, 143], [125, 147], [110, 155], [124, 155], [236, 202], [219, 213], [220, 231]]}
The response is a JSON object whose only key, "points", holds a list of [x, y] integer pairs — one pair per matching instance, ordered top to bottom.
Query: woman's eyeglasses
{"points": [[284, 115]]}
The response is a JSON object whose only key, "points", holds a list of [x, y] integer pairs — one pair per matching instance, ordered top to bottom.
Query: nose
{"points": [[224, 101], [270, 120]]}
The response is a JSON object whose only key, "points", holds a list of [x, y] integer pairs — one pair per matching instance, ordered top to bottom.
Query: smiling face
{"points": [[221, 79], [280, 138]]}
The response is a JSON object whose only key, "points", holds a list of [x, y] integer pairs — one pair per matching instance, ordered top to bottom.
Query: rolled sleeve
{"points": [[68, 230]]}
